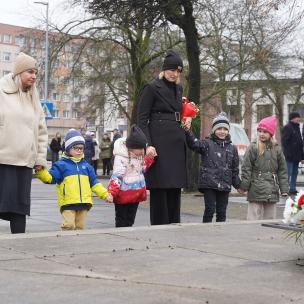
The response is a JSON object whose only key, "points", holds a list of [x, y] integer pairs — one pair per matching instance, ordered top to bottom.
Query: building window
{"points": [[7, 38], [20, 40], [6, 56], [56, 63], [4, 72], [234, 92], [264, 92], [55, 96], [66, 98], [264, 111], [56, 113], [234, 113], [66, 114], [75, 114]]}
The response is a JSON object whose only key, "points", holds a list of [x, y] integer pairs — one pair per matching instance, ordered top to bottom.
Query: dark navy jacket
{"points": [[292, 142], [219, 163]]}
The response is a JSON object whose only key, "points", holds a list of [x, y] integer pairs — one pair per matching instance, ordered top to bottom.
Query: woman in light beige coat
{"points": [[23, 137]]}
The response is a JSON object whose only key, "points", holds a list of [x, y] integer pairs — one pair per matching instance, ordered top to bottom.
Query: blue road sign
{"points": [[47, 108]]}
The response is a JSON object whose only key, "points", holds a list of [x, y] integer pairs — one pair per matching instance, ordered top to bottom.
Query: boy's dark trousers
{"points": [[215, 201], [125, 214]]}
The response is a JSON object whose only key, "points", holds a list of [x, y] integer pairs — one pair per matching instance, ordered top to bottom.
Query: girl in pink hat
{"points": [[264, 173]]}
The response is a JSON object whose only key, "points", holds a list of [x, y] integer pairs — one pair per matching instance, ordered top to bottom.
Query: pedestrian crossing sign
{"points": [[47, 109]]}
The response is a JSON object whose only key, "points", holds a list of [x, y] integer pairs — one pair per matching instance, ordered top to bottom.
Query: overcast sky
{"points": [[27, 13]]}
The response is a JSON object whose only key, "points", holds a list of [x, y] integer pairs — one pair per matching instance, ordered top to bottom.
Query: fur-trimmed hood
{"points": [[120, 147]]}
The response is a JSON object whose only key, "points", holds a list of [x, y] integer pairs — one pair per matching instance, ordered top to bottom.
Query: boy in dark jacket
{"points": [[219, 167]]}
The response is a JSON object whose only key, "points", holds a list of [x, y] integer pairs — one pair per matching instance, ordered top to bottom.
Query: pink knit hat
{"points": [[268, 124]]}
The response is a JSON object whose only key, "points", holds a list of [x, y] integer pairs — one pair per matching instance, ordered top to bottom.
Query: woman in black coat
{"points": [[159, 108]]}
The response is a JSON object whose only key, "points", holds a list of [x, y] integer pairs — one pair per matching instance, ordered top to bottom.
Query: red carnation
{"points": [[189, 109], [301, 200]]}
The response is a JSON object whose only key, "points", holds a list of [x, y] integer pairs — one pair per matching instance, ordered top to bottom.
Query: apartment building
{"points": [[69, 95]]}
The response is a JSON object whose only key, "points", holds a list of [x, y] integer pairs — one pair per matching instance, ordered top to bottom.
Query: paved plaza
{"points": [[230, 263]]}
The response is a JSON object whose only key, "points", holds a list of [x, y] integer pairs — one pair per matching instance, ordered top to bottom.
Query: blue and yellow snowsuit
{"points": [[75, 180]]}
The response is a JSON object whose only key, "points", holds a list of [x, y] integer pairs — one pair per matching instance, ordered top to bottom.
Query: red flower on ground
{"points": [[301, 200]]}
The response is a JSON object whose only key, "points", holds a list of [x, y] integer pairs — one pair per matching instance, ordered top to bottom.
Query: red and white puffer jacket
{"points": [[127, 183]]}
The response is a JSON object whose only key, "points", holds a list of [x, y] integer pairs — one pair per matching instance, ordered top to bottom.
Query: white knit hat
{"points": [[24, 62], [220, 121]]}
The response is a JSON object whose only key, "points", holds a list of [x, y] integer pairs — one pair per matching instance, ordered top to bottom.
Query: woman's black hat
{"points": [[172, 61]]}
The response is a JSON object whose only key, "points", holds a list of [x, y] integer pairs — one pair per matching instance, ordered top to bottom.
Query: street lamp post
{"points": [[46, 64]]}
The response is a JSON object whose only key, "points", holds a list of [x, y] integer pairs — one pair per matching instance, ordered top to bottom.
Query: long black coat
{"points": [[156, 117], [292, 142], [55, 145], [89, 149]]}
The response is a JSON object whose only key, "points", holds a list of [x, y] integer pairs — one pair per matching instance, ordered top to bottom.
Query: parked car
{"points": [[239, 138]]}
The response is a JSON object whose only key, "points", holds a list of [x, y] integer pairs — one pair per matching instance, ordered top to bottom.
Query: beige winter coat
{"points": [[23, 132]]}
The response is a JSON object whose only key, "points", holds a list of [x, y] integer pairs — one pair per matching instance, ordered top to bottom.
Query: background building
{"points": [[68, 91]]}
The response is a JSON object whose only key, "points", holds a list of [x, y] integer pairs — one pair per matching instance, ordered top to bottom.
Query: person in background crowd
{"points": [[159, 111], [116, 135], [24, 140], [292, 144], [55, 147], [89, 148], [105, 148], [95, 158], [219, 167], [264, 173], [75, 180], [127, 183]]}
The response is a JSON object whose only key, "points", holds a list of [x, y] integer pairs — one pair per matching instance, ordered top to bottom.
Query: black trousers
{"points": [[55, 156], [95, 165], [106, 166], [215, 201], [165, 206], [125, 214], [17, 221]]}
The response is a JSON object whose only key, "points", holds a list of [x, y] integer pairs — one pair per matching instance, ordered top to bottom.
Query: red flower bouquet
{"points": [[189, 110]]}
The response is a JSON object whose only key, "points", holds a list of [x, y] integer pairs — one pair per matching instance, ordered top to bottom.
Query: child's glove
{"points": [[38, 168], [113, 188], [109, 199]]}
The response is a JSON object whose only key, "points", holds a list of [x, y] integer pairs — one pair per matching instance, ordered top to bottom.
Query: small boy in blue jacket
{"points": [[75, 180]]}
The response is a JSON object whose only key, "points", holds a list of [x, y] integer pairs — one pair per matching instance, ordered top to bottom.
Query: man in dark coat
{"points": [[159, 108], [292, 145], [55, 147], [89, 148]]}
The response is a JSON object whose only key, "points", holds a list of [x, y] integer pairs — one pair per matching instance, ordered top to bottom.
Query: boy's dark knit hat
{"points": [[172, 61], [293, 115], [220, 121], [72, 138], [136, 139]]}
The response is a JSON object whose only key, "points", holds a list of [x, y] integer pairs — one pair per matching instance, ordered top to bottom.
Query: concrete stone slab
{"points": [[195, 263]]}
